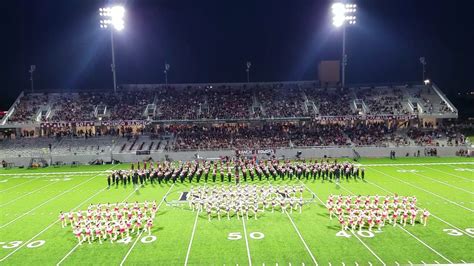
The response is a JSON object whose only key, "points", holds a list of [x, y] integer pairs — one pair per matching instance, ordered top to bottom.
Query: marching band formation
{"points": [[234, 171], [244, 200], [356, 212], [111, 221]]}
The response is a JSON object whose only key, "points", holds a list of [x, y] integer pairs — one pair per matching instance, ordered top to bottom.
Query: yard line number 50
{"points": [[238, 236]]}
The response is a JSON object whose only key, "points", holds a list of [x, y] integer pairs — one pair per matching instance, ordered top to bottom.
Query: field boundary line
{"points": [[413, 164], [444, 172], [60, 173], [441, 182], [17, 185], [427, 191], [29, 193], [47, 201], [432, 214], [55, 222], [412, 235], [138, 237], [302, 239], [191, 240], [247, 242], [78, 244], [366, 246]]}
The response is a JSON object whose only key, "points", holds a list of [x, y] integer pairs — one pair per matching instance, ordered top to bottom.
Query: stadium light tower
{"points": [[343, 15], [113, 18], [423, 63], [249, 64], [167, 68], [32, 70]]}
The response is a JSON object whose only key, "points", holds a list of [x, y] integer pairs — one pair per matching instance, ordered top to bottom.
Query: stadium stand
{"points": [[158, 119]]}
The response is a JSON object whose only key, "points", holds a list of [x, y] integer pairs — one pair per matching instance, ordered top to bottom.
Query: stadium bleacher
{"points": [[173, 118]]}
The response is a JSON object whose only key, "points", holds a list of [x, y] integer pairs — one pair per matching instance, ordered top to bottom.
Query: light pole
{"points": [[343, 14], [114, 18], [423, 63], [249, 64], [167, 68], [32, 70]]}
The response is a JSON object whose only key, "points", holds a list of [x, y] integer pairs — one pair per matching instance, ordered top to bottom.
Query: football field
{"points": [[31, 234]]}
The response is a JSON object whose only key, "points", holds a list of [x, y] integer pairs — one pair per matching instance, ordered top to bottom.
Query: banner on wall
{"points": [[365, 117], [91, 123]]}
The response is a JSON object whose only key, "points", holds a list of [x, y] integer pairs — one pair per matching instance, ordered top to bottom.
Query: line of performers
{"points": [[235, 171], [246, 200], [357, 212], [111, 221]]}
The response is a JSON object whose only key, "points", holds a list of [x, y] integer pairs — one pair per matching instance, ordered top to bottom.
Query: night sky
{"points": [[210, 41]]}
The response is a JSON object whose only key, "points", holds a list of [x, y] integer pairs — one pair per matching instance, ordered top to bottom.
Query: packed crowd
{"points": [[382, 100], [225, 101], [332, 102], [244, 136], [432, 136], [243, 200], [357, 212], [110, 221]]}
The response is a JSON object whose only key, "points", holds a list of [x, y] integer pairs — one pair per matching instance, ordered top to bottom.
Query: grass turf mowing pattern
{"points": [[445, 190]]}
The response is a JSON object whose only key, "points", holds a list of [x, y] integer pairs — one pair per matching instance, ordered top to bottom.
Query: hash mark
{"points": [[464, 261], [410, 262], [423, 262], [436, 262]]}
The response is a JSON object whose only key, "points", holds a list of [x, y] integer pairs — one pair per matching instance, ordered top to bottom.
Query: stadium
{"points": [[325, 169]]}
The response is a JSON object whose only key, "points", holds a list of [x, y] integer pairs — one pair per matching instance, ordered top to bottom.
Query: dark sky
{"points": [[210, 41]]}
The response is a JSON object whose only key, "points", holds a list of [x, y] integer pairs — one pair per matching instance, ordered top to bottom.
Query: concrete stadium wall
{"points": [[330, 152]]}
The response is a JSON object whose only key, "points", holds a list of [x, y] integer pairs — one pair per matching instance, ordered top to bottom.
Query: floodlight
{"points": [[339, 11], [343, 14], [115, 16], [427, 81]]}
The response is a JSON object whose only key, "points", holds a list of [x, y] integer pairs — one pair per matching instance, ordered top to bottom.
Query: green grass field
{"points": [[30, 233]]}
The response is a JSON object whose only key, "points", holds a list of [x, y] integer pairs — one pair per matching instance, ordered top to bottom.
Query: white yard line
{"points": [[414, 164], [447, 173], [444, 183], [5, 190], [427, 191], [29, 193], [46, 202], [434, 216], [55, 222], [49, 226], [138, 237], [301, 237], [191, 240], [360, 240], [419, 240], [247, 242], [78, 244], [426, 245], [368, 248], [69, 253]]}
